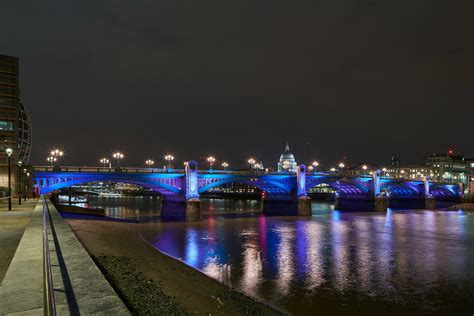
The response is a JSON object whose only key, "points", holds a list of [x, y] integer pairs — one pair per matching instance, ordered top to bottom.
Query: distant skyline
{"points": [[362, 80]]}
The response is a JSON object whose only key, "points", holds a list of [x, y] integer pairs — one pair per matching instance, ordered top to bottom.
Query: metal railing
{"points": [[49, 304]]}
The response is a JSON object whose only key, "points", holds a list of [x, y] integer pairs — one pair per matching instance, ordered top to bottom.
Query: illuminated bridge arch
{"points": [[166, 184], [269, 184], [341, 186], [402, 188], [445, 190]]}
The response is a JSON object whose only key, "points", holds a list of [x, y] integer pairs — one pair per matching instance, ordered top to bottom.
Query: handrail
{"points": [[49, 304]]}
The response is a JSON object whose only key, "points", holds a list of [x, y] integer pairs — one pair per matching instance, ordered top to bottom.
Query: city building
{"points": [[15, 126], [287, 161], [439, 167]]}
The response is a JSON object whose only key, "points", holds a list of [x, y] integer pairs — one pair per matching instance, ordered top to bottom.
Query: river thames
{"points": [[415, 261]]}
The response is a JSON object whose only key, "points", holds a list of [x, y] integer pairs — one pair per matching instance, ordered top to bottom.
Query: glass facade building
{"points": [[15, 125], [15, 128]]}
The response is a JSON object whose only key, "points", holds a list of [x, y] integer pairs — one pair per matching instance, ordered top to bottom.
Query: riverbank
{"points": [[463, 206], [12, 227], [151, 282]]}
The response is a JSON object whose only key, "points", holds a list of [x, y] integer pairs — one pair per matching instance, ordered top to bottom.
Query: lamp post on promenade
{"points": [[9, 152], [19, 182]]}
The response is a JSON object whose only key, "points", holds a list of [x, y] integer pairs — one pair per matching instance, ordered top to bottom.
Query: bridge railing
{"points": [[148, 170]]}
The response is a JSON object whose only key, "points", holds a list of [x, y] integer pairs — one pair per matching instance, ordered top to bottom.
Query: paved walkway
{"points": [[12, 227], [79, 286]]}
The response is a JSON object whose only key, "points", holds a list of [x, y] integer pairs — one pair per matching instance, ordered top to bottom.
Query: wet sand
{"points": [[151, 282]]}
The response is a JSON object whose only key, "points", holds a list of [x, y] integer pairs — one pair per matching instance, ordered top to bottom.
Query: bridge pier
{"points": [[430, 202], [361, 203], [304, 206], [178, 208]]}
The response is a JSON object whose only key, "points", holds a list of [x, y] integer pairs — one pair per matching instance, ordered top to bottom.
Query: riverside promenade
{"points": [[78, 285]]}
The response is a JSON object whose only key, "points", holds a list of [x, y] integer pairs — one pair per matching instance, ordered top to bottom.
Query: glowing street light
{"points": [[9, 152], [56, 153], [117, 156], [169, 158], [51, 160], [104, 161], [211, 161], [251, 162], [149, 163], [225, 165], [315, 165], [342, 165], [364, 167], [332, 169]]}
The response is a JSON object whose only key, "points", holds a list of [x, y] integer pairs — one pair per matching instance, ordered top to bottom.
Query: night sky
{"points": [[357, 79]]}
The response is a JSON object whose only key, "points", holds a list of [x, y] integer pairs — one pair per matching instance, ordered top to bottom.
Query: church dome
{"points": [[287, 155], [287, 161]]}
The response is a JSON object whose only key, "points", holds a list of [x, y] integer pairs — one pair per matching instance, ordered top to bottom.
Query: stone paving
{"points": [[12, 227], [79, 286]]}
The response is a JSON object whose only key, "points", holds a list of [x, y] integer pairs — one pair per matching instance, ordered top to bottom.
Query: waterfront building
{"points": [[15, 125], [287, 161], [439, 167]]}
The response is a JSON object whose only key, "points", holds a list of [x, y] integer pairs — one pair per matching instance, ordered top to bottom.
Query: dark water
{"points": [[333, 263]]}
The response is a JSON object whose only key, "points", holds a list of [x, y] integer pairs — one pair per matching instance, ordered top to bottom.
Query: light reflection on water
{"points": [[422, 260]]}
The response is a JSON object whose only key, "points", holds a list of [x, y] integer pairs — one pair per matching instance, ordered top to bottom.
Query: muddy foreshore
{"points": [[152, 283]]}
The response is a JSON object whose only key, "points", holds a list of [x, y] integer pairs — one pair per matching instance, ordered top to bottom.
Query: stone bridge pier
{"points": [[294, 202], [186, 206]]}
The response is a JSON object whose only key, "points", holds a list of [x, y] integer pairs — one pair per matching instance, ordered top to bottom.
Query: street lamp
{"points": [[9, 152], [57, 153], [117, 156], [169, 158], [51, 160], [104, 161], [211, 161], [251, 162], [150, 163], [225, 165], [315, 165], [341, 166], [364, 167], [332, 169], [384, 171], [19, 181], [25, 184]]}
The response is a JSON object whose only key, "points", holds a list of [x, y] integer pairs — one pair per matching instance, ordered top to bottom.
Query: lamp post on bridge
{"points": [[9, 152], [56, 154], [117, 156], [169, 158], [51, 160], [211, 160], [104, 161], [251, 162], [150, 163], [315, 164], [225, 165], [341, 167], [364, 167]]}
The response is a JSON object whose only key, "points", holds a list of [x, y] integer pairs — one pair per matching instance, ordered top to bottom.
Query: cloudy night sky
{"points": [[357, 79]]}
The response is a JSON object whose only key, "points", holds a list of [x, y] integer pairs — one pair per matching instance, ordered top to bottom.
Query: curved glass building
{"points": [[15, 125]]}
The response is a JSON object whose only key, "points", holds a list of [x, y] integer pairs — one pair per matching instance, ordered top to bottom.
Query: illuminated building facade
{"points": [[15, 126], [287, 161], [440, 167]]}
